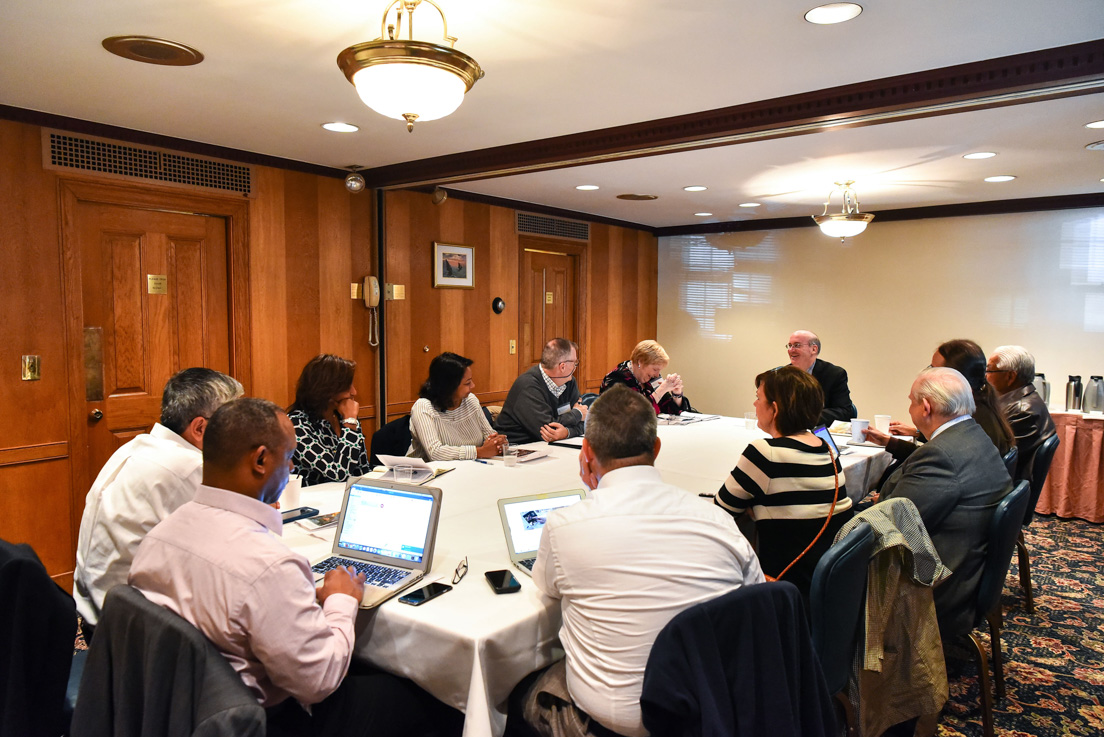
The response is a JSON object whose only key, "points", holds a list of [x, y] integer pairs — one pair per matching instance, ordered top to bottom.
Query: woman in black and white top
{"points": [[447, 423], [329, 444], [786, 482]]}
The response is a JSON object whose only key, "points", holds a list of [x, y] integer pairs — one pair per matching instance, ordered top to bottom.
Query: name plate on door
{"points": [[157, 283]]}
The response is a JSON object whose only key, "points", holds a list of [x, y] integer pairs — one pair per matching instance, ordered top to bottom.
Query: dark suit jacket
{"points": [[837, 397], [1029, 417], [956, 481]]}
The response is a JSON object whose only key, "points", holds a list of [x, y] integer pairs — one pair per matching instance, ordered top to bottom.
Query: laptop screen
{"points": [[822, 433], [526, 518], [390, 522]]}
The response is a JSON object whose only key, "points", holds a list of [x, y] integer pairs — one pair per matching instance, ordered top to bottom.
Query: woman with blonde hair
{"points": [[643, 372]]}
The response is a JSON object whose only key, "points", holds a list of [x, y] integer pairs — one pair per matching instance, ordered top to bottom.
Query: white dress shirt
{"points": [[141, 484], [624, 562], [215, 564]]}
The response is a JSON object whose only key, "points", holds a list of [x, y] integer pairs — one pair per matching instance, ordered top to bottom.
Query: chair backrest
{"points": [[588, 398], [393, 439], [1010, 459], [1040, 467], [1004, 528], [836, 604], [38, 625], [150, 672]]}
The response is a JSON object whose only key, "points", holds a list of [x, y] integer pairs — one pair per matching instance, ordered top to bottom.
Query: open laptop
{"points": [[822, 433], [523, 519], [387, 531]]}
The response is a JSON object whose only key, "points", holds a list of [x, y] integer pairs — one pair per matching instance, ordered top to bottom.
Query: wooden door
{"points": [[154, 292], [548, 299]]}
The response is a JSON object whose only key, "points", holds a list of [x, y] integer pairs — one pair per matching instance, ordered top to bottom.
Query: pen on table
{"points": [[480, 460]]}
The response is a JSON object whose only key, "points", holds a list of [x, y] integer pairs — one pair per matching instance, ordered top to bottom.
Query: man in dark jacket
{"points": [[804, 352], [1010, 371]]}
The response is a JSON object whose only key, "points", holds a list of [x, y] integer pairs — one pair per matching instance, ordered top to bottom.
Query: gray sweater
{"points": [[529, 406]]}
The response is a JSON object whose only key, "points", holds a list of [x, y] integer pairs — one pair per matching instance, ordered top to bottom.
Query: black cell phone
{"points": [[301, 513], [503, 582], [424, 594]]}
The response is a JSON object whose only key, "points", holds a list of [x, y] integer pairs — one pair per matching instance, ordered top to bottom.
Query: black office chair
{"points": [[588, 399], [393, 439], [1010, 459], [1040, 467], [1003, 528], [836, 607], [38, 626], [152, 674]]}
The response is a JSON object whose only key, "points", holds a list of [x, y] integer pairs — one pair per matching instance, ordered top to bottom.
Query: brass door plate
{"points": [[157, 284], [548, 298], [513, 347], [32, 368]]}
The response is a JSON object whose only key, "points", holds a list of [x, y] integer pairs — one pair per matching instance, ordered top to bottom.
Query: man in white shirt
{"points": [[143, 482], [623, 562]]}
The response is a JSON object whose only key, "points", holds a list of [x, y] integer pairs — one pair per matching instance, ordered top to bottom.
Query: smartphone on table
{"points": [[291, 515], [502, 582], [424, 594]]}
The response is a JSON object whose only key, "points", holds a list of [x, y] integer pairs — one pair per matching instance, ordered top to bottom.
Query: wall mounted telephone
{"points": [[371, 294]]}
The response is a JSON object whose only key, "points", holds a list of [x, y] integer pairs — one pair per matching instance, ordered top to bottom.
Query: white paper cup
{"points": [[751, 422], [881, 423], [857, 427], [404, 474], [290, 498]]}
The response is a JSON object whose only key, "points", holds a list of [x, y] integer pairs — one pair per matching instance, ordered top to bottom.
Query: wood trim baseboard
{"points": [[33, 453]]}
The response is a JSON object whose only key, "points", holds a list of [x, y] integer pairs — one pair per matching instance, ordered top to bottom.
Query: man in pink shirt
{"points": [[216, 562]]}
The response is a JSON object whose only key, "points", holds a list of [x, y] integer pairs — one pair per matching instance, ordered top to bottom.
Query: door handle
{"points": [[96, 415]]}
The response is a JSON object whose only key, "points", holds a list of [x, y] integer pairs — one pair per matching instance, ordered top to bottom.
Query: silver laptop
{"points": [[523, 519], [387, 531]]}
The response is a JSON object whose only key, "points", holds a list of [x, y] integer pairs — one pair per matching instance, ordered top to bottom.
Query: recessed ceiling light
{"points": [[824, 15], [150, 50], [1095, 124], [340, 127], [1096, 146], [980, 155], [1000, 178], [587, 187], [695, 188], [638, 197], [749, 204], [703, 214]]}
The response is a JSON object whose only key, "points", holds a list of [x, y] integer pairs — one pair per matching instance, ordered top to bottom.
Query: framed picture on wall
{"points": [[453, 266]]}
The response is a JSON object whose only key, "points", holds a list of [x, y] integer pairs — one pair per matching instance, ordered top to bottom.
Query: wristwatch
{"points": [[350, 421]]}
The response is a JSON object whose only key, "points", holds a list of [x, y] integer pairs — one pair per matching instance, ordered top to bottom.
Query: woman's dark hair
{"points": [[967, 358], [446, 371], [322, 379], [798, 395]]}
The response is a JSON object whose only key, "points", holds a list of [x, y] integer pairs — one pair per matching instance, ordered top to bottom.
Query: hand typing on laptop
{"points": [[342, 581]]}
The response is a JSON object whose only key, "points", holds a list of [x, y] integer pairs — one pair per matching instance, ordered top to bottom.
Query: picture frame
{"points": [[453, 266]]}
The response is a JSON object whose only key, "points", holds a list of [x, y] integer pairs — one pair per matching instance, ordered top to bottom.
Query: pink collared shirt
{"points": [[214, 562]]}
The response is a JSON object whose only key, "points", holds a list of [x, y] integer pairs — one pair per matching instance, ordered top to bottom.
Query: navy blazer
{"points": [[837, 397]]}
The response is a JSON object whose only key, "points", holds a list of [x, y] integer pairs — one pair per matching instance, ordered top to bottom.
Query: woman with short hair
{"points": [[646, 365], [447, 423], [329, 444], [788, 482]]}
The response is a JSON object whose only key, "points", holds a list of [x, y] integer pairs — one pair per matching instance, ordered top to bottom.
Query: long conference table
{"points": [[470, 647]]}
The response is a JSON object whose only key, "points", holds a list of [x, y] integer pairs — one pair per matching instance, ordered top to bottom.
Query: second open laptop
{"points": [[523, 519], [387, 531]]}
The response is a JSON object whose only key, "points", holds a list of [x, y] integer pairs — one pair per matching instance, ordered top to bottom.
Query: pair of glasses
{"points": [[790, 346], [996, 371], [461, 571]]}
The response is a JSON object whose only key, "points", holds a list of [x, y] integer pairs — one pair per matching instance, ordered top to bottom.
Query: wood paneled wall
{"points": [[308, 240], [618, 295]]}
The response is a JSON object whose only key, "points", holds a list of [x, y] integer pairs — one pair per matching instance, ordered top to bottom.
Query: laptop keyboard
{"points": [[527, 563], [375, 574]]}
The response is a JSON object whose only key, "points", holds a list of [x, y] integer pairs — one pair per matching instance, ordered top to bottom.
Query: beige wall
{"points": [[883, 301]]}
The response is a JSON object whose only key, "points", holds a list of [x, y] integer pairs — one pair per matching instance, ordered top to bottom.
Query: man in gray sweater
{"points": [[543, 403]]}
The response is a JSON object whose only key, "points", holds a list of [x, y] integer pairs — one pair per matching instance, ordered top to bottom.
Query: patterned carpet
{"points": [[1054, 659]]}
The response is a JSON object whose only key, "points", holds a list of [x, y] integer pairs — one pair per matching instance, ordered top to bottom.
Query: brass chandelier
{"points": [[407, 79], [849, 221]]}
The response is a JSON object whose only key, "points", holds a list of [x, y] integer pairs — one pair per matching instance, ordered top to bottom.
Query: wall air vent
{"points": [[148, 164], [558, 227]]}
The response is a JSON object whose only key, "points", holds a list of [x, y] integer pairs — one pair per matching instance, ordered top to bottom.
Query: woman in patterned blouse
{"points": [[645, 365], [447, 423], [329, 442]]}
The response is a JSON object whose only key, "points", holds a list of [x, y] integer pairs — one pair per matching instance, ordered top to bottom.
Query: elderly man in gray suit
{"points": [[956, 480]]}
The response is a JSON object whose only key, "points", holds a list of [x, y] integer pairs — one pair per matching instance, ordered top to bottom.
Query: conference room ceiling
{"points": [[558, 67]]}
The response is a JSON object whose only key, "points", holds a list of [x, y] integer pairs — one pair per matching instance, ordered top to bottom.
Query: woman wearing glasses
{"points": [[643, 372], [447, 423], [329, 442], [789, 483]]}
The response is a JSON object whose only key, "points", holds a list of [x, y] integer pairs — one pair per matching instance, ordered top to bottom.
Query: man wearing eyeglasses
{"points": [[804, 352], [1011, 370], [543, 403]]}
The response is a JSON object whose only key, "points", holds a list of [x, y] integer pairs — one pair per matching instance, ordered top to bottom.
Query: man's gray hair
{"points": [[556, 351], [1015, 358], [946, 390], [195, 392], [621, 424]]}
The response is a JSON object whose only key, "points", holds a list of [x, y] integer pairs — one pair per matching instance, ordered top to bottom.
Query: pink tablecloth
{"points": [[1075, 484]]}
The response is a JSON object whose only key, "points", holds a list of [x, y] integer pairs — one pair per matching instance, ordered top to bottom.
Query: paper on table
{"points": [[422, 471]]}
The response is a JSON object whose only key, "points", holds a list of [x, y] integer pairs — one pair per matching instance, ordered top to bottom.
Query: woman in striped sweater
{"points": [[447, 423], [786, 482]]}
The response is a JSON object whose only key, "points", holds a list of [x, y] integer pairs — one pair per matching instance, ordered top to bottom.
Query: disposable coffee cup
{"points": [[751, 422], [881, 423], [857, 427], [404, 474], [290, 498]]}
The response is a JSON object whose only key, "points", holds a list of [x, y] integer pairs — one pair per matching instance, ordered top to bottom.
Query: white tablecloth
{"points": [[470, 647]]}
